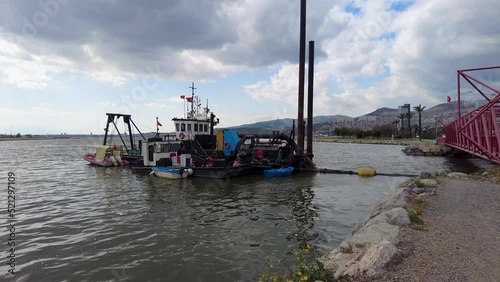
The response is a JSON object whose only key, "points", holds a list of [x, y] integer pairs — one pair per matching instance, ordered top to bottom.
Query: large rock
{"points": [[447, 150], [457, 174], [425, 175], [396, 199], [396, 216], [373, 234], [369, 262]]}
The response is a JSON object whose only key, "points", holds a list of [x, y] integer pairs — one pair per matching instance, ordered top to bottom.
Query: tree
{"points": [[419, 109], [408, 116], [402, 117], [395, 125]]}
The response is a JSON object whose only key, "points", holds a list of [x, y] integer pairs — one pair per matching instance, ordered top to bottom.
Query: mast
{"points": [[192, 98]]}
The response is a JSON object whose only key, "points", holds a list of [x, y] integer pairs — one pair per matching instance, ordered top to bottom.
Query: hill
{"points": [[323, 125]]}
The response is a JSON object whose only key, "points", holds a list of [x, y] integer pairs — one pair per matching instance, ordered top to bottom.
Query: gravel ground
{"points": [[462, 237]]}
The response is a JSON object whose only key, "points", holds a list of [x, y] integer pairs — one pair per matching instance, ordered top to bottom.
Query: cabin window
{"points": [[176, 127], [183, 127], [189, 127], [196, 127], [205, 127], [174, 147]]}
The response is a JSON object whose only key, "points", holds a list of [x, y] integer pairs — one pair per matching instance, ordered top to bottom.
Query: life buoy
{"points": [[181, 135], [227, 146], [208, 162]]}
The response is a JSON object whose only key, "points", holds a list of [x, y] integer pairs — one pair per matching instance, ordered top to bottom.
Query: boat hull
{"points": [[92, 160], [223, 172], [278, 172], [170, 173]]}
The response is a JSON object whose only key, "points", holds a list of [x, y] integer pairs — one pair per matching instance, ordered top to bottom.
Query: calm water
{"points": [[77, 222]]}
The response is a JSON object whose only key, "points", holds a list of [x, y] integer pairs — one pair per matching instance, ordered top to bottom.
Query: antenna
{"points": [[192, 97]]}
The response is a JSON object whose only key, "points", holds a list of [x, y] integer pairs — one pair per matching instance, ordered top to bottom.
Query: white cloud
{"points": [[386, 58], [108, 104], [156, 106]]}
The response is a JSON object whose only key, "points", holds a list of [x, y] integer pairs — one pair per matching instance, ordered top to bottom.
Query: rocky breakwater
{"points": [[428, 149], [374, 244]]}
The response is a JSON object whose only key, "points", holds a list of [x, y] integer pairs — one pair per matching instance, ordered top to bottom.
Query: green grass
{"points": [[419, 183], [415, 208], [307, 267]]}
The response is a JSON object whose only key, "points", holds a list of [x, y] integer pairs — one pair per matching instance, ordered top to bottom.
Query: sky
{"points": [[66, 63]]}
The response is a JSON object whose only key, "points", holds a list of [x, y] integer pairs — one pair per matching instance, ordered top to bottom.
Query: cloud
{"points": [[184, 39], [369, 54], [387, 56], [108, 104], [156, 106]]}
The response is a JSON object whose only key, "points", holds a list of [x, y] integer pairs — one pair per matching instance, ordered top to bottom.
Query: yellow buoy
{"points": [[366, 171]]}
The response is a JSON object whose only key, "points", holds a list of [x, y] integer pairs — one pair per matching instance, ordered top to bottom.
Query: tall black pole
{"points": [[302, 59], [310, 94], [111, 117]]}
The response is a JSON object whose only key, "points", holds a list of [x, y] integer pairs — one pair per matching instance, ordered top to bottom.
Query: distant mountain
{"points": [[286, 123], [326, 123]]}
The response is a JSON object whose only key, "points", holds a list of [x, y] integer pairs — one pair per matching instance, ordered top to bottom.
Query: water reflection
{"points": [[100, 224]]}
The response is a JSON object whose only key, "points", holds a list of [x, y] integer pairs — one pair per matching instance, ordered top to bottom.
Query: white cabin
{"points": [[195, 122]]}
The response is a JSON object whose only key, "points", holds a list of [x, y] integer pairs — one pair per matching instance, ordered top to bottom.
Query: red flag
{"points": [[183, 96], [189, 99], [449, 99], [158, 123]]}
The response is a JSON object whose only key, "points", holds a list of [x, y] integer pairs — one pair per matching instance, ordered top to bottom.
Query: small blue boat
{"points": [[278, 172]]}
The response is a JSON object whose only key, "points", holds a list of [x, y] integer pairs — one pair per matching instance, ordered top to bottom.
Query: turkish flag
{"points": [[183, 96], [189, 99], [449, 99], [158, 123]]}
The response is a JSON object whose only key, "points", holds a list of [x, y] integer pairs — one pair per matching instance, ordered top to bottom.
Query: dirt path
{"points": [[462, 237]]}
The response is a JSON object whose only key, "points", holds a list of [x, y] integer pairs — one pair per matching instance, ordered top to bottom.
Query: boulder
{"points": [[447, 150], [418, 153], [457, 174], [425, 175], [428, 182], [418, 190], [396, 199], [396, 216], [373, 234], [345, 247], [370, 262]]}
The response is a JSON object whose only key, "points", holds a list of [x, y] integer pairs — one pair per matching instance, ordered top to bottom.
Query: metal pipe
{"points": [[302, 59], [310, 96], [126, 119]]}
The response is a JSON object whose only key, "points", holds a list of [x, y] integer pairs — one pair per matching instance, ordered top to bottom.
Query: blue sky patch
{"points": [[401, 6], [351, 9], [388, 36]]}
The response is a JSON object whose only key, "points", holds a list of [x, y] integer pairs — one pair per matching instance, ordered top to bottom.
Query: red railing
{"points": [[476, 132]]}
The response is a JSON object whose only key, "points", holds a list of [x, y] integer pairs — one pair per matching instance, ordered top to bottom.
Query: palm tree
{"points": [[419, 109], [409, 116], [402, 117], [395, 124]]}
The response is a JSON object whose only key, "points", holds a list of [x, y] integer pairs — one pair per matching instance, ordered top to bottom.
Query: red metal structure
{"points": [[476, 132]]}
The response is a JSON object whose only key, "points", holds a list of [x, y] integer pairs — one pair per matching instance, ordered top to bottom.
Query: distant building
{"points": [[405, 109]]}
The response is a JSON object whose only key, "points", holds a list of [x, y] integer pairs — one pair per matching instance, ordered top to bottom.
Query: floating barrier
{"points": [[366, 171]]}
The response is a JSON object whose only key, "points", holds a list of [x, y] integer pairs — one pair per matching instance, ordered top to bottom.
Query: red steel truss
{"points": [[477, 132]]}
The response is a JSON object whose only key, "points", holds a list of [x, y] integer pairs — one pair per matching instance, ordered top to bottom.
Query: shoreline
{"points": [[36, 138], [399, 142], [385, 247]]}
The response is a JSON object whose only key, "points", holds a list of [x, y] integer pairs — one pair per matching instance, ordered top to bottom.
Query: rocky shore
{"points": [[429, 149], [390, 234]]}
